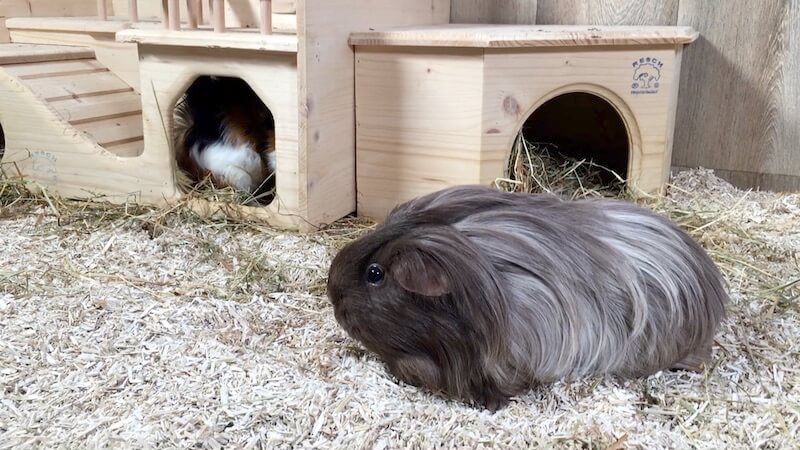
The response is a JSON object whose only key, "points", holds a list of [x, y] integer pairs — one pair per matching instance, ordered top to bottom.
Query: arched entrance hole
{"points": [[582, 126]]}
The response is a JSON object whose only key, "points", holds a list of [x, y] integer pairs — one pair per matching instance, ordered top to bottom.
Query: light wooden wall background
{"points": [[739, 104]]}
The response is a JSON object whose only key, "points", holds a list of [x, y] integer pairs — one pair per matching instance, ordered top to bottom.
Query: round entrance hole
{"points": [[581, 126], [225, 141], [2, 143]]}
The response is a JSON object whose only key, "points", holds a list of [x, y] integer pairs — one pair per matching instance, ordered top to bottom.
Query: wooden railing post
{"points": [[191, 8], [102, 10], [133, 10], [165, 13], [174, 13], [218, 14], [266, 17]]}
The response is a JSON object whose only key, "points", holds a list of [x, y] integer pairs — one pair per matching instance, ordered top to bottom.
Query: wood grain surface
{"points": [[493, 11], [607, 12], [521, 36], [738, 108]]}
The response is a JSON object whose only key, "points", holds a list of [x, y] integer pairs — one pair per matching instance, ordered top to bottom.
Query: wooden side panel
{"points": [[494, 11], [607, 12], [741, 88], [327, 92], [419, 123], [57, 156]]}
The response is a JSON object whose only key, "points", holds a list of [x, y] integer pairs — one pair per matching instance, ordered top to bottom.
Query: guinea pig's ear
{"points": [[420, 273]]}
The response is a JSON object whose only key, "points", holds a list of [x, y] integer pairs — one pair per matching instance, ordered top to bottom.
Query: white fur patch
{"points": [[237, 165]]}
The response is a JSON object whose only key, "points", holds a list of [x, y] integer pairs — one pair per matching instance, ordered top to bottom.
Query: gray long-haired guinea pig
{"points": [[479, 294]]}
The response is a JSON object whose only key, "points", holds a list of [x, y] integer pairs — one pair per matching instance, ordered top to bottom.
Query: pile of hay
{"points": [[540, 168], [133, 327]]}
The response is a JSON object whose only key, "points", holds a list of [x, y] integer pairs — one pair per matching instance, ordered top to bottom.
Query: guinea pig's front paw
{"points": [[491, 399]]}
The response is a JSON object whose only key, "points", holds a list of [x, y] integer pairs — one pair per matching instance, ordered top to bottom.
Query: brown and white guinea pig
{"points": [[226, 133], [479, 294]]}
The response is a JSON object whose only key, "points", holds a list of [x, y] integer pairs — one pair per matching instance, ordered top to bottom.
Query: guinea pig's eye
{"points": [[375, 274]]}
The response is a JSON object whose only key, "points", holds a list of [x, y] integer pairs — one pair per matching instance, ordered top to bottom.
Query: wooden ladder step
{"points": [[28, 53], [32, 71], [77, 86], [89, 109], [114, 132], [127, 149]]}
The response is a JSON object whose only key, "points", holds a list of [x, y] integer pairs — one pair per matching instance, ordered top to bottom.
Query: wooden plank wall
{"points": [[493, 11], [607, 12], [739, 105], [739, 111]]}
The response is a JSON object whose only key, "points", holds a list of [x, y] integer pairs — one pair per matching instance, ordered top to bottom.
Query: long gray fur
{"points": [[539, 289]]}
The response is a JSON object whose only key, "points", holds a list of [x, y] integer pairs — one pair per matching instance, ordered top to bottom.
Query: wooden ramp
{"points": [[80, 93]]}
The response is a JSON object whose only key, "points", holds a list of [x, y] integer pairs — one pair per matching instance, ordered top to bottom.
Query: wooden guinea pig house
{"points": [[373, 102], [86, 103], [442, 105]]}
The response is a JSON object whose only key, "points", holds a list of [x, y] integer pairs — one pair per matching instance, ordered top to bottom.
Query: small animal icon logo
{"points": [[646, 75], [44, 164]]}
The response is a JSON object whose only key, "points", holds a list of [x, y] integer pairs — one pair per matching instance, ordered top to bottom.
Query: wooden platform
{"points": [[519, 36], [245, 39]]}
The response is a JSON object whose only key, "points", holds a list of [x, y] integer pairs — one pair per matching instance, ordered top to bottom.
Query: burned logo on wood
{"points": [[646, 75]]}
